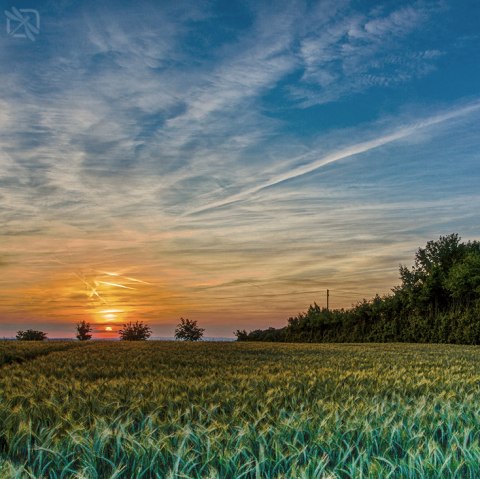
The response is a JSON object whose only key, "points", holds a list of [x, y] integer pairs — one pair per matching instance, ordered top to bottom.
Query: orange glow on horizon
{"points": [[157, 290]]}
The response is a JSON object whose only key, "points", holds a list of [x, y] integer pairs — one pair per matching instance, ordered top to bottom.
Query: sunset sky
{"points": [[228, 161]]}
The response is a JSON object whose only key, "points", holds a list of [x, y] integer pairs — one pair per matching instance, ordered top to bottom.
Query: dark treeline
{"points": [[438, 301]]}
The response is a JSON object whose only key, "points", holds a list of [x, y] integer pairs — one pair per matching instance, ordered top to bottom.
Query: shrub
{"points": [[187, 330], [83, 331], [135, 331], [31, 335], [241, 335]]}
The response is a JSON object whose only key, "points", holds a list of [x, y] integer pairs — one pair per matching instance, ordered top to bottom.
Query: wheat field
{"points": [[238, 410]]}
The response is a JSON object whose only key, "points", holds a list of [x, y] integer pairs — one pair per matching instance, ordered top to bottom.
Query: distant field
{"points": [[20, 351], [239, 410]]}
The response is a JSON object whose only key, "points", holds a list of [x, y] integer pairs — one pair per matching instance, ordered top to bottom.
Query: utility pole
{"points": [[328, 296]]}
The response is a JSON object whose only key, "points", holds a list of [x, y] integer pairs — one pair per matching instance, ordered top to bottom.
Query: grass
{"points": [[20, 351], [236, 410]]}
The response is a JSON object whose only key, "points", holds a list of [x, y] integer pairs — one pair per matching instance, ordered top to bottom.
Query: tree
{"points": [[463, 280], [425, 284], [187, 330], [83, 331], [135, 331], [31, 335], [241, 335]]}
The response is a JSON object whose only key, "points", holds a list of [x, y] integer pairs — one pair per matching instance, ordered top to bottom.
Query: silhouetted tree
{"points": [[438, 301], [187, 330], [83, 331], [137, 331], [31, 335], [241, 335]]}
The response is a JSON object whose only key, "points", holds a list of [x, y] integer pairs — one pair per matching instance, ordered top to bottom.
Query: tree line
{"points": [[438, 301], [186, 330]]}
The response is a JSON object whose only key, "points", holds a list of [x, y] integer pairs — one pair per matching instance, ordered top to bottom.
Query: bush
{"points": [[437, 302], [187, 330], [83, 331], [135, 331], [31, 335], [241, 335]]}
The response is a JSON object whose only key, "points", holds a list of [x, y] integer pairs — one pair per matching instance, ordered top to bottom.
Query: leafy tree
{"points": [[440, 254], [426, 280], [463, 280], [437, 301], [187, 330], [83, 331], [137, 331], [31, 335], [241, 335]]}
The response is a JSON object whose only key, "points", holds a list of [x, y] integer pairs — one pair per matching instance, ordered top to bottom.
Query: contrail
{"points": [[340, 155], [129, 278], [114, 284], [91, 285], [93, 289]]}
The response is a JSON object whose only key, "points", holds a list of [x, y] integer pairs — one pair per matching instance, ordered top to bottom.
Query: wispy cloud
{"points": [[354, 51], [343, 153], [176, 179]]}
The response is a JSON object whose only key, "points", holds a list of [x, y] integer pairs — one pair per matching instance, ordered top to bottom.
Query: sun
{"points": [[108, 328]]}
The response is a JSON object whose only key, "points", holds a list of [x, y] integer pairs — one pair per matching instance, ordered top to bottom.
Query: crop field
{"points": [[20, 351], [239, 410]]}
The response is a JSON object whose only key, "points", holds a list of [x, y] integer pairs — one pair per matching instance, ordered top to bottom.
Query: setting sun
{"points": [[108, 328]]}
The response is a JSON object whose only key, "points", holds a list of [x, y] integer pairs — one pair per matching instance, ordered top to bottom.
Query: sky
{"points": [[228, 162]]}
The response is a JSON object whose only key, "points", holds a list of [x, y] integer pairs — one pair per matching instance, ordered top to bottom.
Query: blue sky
{"points": [[229, 161]]}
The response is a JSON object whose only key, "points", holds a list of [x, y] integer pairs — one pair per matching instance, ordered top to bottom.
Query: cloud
{"points": [[355, 51], [131, 102], [129, 147], [343, 153]]}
